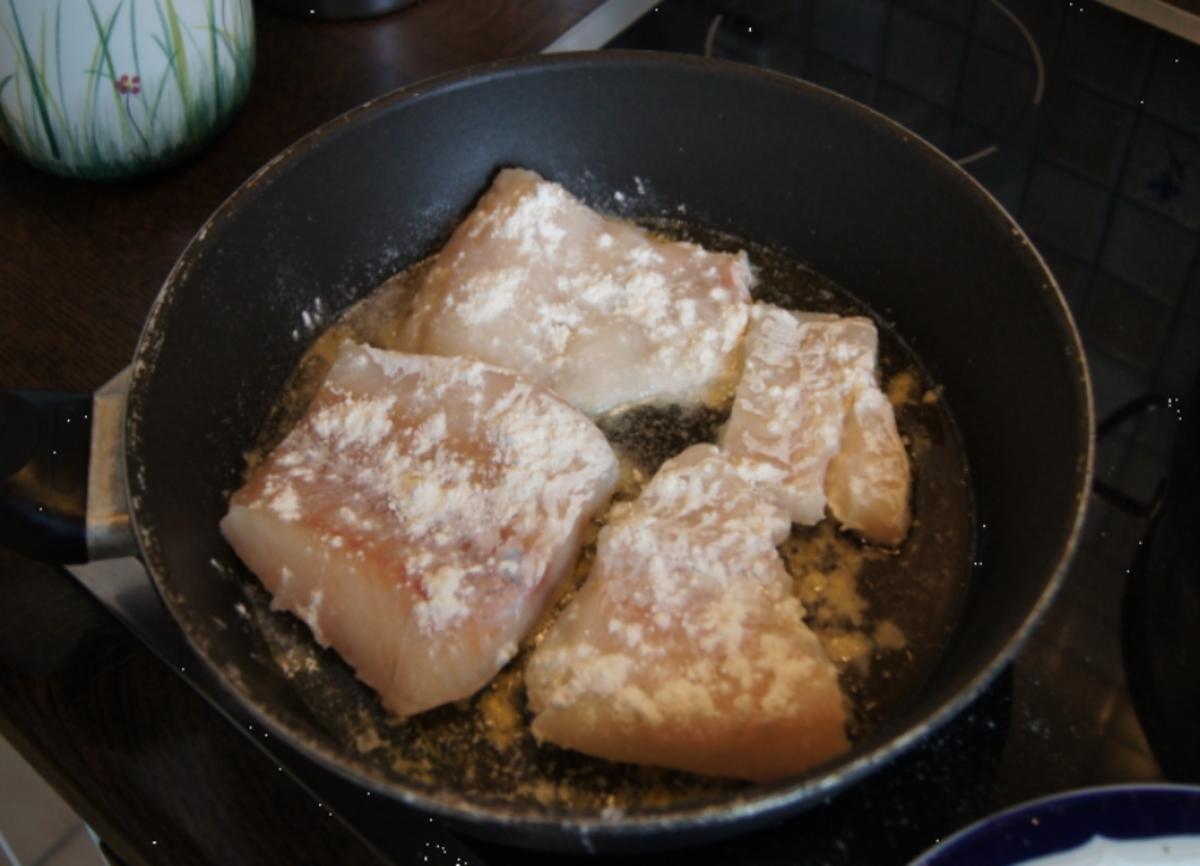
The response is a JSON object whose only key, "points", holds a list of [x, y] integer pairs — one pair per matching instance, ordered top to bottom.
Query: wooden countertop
{"points": [[158, 773]]}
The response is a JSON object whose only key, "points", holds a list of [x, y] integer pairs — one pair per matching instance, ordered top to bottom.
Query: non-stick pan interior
{"points": [[739, 150]]}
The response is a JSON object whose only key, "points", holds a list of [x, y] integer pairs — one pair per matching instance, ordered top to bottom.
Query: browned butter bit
{"points": [[902, 388], [827, 566], [888, 636], [848, 648], [501, 712], [367, 739]]}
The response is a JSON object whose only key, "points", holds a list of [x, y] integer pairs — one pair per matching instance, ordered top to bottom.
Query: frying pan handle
{"points": [[45, 440], [62, 479]]}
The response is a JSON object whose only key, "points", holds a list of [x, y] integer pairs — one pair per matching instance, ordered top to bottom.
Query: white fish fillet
{"points": [[594, 308], [810, 426], [868, 483], [420, 517], [686, 647]]}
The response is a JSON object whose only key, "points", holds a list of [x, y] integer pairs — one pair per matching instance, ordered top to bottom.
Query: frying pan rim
{"points": [[755, 804]]}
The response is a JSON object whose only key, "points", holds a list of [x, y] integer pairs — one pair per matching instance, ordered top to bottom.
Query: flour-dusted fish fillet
{"points": [[591, 307], [801, 370], [810, 426], [868, 483], [420, 516], [686, 647]]}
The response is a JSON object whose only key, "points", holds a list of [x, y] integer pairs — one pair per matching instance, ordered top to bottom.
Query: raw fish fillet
{"points": [[594, 308], [810, 426], [868, 481], [420, 517], [686, 647]]}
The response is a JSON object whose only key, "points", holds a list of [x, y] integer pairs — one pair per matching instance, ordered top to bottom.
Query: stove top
{"points": [[1084, 123]]}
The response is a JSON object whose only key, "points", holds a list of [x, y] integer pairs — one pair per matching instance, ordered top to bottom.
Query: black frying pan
{"points": [[747, 152]]}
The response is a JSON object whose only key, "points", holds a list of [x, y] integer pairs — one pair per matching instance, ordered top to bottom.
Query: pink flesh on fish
{"points": [[592, 307], [420, 517], [686, 647]]}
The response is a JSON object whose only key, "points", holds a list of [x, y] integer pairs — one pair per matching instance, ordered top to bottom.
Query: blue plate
{"points": [[1068, 821]]}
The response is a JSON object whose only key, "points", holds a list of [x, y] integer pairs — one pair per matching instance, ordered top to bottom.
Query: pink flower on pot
{"points": [[129, 85]]}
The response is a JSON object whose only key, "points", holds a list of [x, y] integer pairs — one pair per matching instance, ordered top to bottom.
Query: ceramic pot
{"points": [[113, 88]]}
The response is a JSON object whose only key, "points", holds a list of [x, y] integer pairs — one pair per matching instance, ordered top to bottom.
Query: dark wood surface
{"points": [[158, 773]]}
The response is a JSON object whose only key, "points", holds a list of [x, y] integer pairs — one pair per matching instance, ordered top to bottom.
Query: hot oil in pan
{"points": [[884, 617]]}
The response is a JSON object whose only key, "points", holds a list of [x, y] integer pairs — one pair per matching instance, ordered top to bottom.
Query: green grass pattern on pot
{"points": [[155, 86]]}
